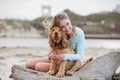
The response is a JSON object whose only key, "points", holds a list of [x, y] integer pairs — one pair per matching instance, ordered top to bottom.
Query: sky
{"points": [[31, 9]]}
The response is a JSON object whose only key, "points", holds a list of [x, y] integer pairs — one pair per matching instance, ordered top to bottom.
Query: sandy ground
{"points": [[12, 56]]}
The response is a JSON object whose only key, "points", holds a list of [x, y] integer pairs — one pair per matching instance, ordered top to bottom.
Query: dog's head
{"points": [[56, 36]]}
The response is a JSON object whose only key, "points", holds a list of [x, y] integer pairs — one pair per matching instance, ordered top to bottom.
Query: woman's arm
{"points": [[79, 50], [68, 56]]}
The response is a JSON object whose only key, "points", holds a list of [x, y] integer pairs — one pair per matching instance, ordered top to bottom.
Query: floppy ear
{"points": [[65, 42], [51, 43]]}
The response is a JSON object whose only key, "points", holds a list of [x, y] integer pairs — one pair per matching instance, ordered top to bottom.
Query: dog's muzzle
{"points": [[56, 34]]}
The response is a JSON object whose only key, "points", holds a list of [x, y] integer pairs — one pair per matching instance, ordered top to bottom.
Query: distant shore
{"points": [[87, 36], [102, 36], [12, 42]]}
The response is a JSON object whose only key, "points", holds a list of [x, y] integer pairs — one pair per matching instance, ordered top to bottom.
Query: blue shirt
{"points": [[78, 44]]}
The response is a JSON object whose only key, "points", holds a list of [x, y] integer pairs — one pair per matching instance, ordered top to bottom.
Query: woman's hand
{"points": [[57, 56]]}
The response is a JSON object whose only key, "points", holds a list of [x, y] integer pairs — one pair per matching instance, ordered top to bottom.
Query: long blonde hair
{"points": [[56, 19]]}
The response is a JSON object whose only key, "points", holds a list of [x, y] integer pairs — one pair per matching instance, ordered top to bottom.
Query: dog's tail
{"points": [[86, 62]]}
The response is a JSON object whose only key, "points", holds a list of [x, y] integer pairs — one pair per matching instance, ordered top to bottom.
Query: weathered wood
{"points": [[101, 68]]}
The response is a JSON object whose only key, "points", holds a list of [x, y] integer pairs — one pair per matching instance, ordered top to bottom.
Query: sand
{"points": [[18, 56]]}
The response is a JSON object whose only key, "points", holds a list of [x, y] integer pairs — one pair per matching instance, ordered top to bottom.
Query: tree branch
{"points": [[101, 68]]}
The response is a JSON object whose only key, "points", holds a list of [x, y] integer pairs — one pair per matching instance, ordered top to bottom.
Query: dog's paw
{"points": [[51, 72], [69, 73], [60, 75]]}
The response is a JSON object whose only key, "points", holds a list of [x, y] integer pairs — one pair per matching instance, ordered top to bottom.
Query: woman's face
{"points": [[66, 26]]}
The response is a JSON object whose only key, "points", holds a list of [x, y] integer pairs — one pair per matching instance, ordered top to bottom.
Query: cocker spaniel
{"points": [[59, 44]]}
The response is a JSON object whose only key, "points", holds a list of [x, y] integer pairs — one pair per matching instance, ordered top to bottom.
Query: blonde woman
{"points": [[75, 36]]}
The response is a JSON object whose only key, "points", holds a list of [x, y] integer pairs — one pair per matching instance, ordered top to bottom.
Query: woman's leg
{"points": [[32, 63], [44, 67]]}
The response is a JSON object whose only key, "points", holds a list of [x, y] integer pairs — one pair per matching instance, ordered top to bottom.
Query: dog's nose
{"points": [[56, 33]]}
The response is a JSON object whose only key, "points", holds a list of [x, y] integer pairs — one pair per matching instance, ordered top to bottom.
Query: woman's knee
{"points": [[44, 59], [29, 65], [44, 67]]}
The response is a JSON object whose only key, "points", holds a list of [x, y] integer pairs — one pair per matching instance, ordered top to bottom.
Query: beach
{"points": [[18, 56]]}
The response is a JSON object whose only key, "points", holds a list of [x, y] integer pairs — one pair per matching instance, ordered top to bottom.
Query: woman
{"points": [[75, 36]]}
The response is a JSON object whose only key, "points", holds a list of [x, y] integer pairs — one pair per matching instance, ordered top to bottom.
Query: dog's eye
{"points": [[53, 30]]}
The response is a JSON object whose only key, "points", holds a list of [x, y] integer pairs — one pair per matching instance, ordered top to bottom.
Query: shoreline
{"points": [[87, 36], [104, 36], [43, 42]]}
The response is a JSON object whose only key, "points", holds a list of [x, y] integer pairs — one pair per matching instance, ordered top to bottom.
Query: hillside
{"points": [[99, 23], [106, 23]]}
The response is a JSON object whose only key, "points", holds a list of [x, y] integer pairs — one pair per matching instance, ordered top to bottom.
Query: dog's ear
{"points": [[65, 42], [51, 43]]}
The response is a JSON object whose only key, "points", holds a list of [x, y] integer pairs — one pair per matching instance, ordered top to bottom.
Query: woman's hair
{"points": [[56, 19]]}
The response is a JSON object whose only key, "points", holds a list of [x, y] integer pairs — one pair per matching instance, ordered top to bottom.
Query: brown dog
{"points": [[59, 44]]}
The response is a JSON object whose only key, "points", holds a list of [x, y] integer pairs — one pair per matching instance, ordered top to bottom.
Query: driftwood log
{"points": [[102, 68]]}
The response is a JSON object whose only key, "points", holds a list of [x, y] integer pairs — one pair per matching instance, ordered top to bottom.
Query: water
{"points": [[23, 42], [38, 42], [103, 43]]}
